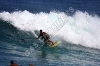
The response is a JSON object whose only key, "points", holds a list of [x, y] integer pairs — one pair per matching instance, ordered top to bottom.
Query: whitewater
{"points": [[80, 28]]}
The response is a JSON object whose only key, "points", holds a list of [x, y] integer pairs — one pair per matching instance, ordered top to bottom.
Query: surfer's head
{"points": [[40, 31], [11, 62]]}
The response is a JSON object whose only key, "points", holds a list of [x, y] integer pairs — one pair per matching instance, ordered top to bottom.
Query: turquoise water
{"points": [[74, 23]]}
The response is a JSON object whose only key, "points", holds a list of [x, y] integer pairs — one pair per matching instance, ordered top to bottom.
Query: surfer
{"points": [[46, 37], [13, 64]]}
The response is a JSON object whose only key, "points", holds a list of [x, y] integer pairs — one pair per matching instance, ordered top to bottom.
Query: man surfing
{"points": [[46, 37]]}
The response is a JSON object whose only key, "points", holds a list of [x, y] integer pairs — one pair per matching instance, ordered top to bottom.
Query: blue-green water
{"points": [[77, 27]]}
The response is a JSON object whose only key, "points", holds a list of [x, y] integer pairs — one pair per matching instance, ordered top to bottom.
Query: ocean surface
{"points": [[76, 23]]}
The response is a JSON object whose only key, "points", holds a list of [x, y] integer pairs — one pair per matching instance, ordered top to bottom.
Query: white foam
{"points": [[81, 28]]}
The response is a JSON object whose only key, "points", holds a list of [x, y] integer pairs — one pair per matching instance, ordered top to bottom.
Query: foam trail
{"points": [[81, 28]]}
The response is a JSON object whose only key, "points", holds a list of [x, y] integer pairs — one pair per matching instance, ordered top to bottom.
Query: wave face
{"points": [[79, 28]]}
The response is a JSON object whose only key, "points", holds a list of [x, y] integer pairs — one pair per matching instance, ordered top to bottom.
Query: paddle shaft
{"points": [[27, 38]]}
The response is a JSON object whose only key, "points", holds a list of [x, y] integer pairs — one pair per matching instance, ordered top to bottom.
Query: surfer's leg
{"points": [[47, 41], [51, 42]]}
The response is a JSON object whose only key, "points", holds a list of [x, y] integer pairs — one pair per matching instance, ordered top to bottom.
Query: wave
{"points": [[80, 28]]}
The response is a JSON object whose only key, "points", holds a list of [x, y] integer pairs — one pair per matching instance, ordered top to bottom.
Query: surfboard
{"points": [[55, 44]]}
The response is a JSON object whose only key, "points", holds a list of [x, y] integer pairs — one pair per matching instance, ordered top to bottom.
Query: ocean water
{"points": [[76, 23]]}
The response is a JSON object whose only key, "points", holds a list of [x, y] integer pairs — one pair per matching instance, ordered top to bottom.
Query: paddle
{"points": [[27, 38]]}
